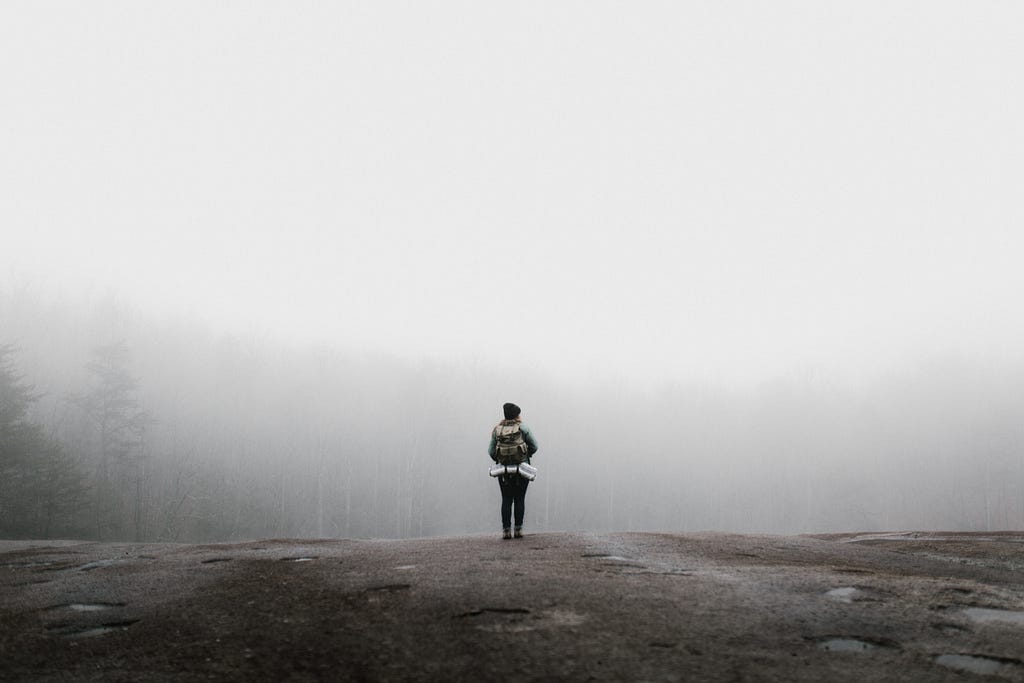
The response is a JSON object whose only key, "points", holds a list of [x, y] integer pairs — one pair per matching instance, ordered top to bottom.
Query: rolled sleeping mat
{"points": [[511, 469], [496, 470], [528, 472]]}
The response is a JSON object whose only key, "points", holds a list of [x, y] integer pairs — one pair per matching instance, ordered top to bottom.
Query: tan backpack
{"points": [[510, 447]]}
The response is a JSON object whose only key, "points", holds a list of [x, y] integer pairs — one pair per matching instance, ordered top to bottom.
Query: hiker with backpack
{"points": [[512, 443]]}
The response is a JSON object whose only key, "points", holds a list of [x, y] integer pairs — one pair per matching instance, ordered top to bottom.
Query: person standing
{"points": [[512, 442]]}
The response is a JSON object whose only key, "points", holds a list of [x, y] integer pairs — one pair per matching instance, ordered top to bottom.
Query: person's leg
{"points": [[506, 484], [520, 503]]}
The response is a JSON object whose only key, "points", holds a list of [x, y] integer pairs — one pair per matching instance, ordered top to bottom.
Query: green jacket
{"points": [[531, 443]]}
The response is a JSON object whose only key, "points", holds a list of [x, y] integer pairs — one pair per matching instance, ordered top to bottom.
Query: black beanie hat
{"points": [[511, 411]]}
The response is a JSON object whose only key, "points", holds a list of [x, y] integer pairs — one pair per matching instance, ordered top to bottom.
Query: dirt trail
{"points": [[715, 607]]}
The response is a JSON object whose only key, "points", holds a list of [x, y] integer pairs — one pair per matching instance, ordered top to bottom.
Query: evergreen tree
{"points": [[118, 424], [17, 434], [41, 486]]}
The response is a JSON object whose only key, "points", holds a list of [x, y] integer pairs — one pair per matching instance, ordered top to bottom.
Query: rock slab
{"points": [[552, 606]]}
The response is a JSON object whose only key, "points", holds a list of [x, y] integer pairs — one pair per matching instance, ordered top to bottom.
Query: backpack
{"points": [[509, 447]]}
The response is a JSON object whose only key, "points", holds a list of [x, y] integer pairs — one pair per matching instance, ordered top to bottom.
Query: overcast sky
{"points": [[718, 189]]}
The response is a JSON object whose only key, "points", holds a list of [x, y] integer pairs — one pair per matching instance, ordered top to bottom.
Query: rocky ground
{"points": [[702, 607]]}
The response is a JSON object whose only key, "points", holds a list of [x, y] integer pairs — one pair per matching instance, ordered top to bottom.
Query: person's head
{"points": [[511, 411]]}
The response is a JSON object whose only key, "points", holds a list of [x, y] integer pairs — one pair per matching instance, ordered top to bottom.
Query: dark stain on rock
{"points": [[667, 572], [389, 588], [492, 610], [846, 643]]}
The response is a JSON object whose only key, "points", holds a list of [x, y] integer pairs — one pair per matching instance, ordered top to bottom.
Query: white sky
{"points": [[720, 189]]}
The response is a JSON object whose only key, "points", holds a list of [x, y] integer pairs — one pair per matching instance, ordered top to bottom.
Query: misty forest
{"points": [[115, 426]]}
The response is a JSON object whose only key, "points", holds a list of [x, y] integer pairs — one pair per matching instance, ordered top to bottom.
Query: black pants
{"points": [[513, 491]]}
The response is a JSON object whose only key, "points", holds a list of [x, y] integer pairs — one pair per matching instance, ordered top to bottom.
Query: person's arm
{"points": [[531, 443], [491, 448]]}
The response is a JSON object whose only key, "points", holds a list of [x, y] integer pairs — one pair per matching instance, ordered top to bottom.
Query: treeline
{"points": [[116, 427], [250, 454]]}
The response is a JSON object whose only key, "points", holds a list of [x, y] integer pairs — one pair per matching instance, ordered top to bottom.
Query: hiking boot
{"points": [[519, 532], [506, 534]]}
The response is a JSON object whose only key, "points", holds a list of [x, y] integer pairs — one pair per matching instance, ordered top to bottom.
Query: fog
{"points": [[272, 270], [222, 438]]}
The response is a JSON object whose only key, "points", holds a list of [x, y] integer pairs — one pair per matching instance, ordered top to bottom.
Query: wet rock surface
{"points": [[658, 607]]}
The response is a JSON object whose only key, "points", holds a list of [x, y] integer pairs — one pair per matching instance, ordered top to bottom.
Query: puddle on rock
{"points": [[298, 559], [28, 564], [89, 566], [405, 567], [844, 594], [858, 594], [87, 606], [93, 607], [984, 615], [562, 617], [501, 619], [520, 620], [89, 632], [846, 645], [975, 664]]}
